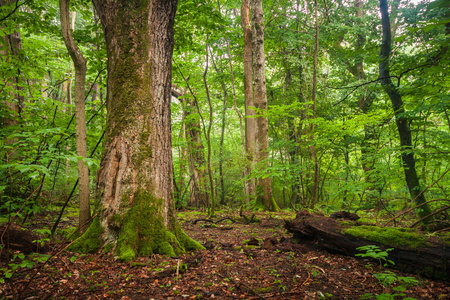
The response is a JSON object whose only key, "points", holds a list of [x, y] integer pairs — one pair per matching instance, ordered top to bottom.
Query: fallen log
{"points": [[430, 259]]}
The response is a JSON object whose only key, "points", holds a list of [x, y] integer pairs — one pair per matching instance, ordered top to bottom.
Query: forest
{"points": [[230, 149]]}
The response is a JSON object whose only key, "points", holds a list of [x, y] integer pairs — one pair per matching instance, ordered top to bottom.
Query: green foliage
{"points": [[376, 253], [20, 261], [386, 278]]}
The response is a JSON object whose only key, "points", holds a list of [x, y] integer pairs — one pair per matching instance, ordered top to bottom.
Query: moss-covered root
{"points": [[275, 207], [139, 232], [91, 240], [189, 243], [165, 244]]}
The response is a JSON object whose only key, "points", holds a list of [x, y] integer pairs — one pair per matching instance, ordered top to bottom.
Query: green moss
{"points": [[274, 204], [115, 221], [141, 227], [144, 233], [398, 237], [91, 240], [189, 243], [251, 247], [108, 248], [165, 248], [127, 254], [262, 290]]}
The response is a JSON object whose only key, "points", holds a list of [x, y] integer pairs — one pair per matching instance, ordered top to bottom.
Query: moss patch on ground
{"points": [[397, 237]]}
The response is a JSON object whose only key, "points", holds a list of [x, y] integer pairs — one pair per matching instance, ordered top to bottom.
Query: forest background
{"points": [[333, 139]]}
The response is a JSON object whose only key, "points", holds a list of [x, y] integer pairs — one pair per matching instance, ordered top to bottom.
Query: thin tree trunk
{"points": [[80, 79], [250, 120], [222, 130], [195, 149], [409, 163], [315, 183], [264, 185], [212, 195]]}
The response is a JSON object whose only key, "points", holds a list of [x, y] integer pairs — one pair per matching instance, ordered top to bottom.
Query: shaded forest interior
{"points": [[173, 142]]}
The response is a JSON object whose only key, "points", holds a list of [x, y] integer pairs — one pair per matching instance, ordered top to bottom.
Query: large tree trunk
{"points": [[80, 78], [250, 121], [409, 163], [264, 185], [135, 187]]}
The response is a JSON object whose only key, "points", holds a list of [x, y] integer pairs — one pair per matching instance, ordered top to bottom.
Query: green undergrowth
{"points": [[397, 237], [444, 238]]}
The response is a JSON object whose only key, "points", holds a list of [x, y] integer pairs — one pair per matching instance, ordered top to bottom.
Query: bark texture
{"points": [[80, 78], [250, 121], [404, 131], [315, 183], [264, 185], [135, 186]]}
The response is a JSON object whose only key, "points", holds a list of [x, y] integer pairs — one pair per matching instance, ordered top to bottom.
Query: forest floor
{"points": [[229, 268]]}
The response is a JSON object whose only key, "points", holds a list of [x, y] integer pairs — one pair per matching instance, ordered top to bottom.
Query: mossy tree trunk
{"points": [[135, 187]]}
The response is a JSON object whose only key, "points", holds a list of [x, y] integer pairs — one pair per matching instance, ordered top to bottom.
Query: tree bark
{"points": [[80, 78], [250, 120], [222, 130], [404, 131], [315, 183], [135, 185], [264, 185], [212, 193]]}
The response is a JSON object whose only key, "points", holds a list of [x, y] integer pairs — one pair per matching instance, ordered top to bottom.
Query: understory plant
{"points": [[386, 278]]}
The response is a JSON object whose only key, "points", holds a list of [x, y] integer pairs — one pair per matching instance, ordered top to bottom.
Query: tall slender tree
{"points": [[80, 79], [250, 120], [404, 131], [264, 184]]}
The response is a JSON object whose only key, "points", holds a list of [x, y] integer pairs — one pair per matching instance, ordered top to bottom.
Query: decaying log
{"points": [[326, 234], [17, 238]]}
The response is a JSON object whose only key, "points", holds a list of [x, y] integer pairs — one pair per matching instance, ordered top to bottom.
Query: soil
{"points": [[242, 261]]}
